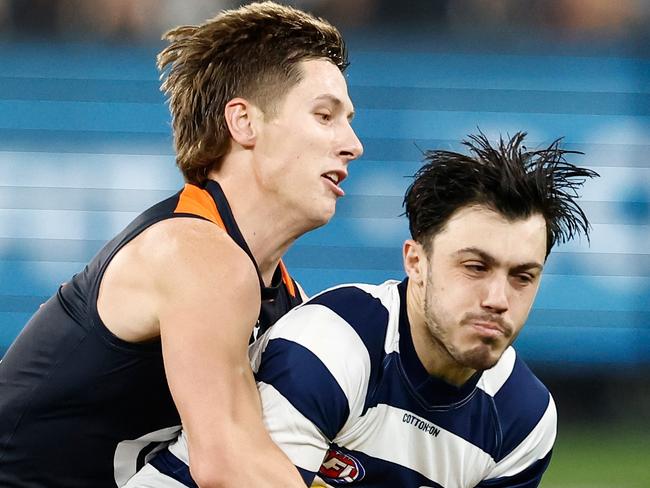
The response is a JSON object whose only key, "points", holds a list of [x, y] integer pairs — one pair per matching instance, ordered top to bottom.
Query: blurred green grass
{"points": [[600, 456]]}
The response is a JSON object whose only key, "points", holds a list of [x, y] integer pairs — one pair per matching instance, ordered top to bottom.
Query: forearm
{"points": [[204, 328], [224, 460], [243, 460]]}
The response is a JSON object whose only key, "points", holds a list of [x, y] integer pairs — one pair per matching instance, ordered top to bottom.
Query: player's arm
{"points": [[208, 301], [311, 381], [526, 464], [530, 477]]}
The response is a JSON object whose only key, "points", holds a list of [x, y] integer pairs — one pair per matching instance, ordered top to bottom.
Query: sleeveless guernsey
{"points": [[82, 408]]}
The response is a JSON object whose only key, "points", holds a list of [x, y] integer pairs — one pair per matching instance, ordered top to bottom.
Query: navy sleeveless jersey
{"points": [[79, 407]]}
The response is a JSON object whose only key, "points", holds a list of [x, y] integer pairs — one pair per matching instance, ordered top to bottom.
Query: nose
{"points": [[351, 147], [495, 297]]}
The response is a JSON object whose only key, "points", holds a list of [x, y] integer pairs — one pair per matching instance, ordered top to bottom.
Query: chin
{"points": [[325, 214], [317, 220], [479, 358]]}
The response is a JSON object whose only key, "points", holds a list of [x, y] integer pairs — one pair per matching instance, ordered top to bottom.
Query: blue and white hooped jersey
{"points": [[345, 396], [347, 399]]}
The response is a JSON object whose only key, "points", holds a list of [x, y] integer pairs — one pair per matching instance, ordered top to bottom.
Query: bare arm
{"points": [[208, 300]]}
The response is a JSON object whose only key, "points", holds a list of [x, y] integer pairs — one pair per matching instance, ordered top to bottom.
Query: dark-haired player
{"points": [[159, 321], [415, 384]]}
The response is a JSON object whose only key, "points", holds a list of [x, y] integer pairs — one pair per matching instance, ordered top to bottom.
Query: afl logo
{"points": [[340, 468]]}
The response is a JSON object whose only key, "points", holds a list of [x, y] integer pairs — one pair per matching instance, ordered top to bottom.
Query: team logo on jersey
{"points": [[339, 468]]}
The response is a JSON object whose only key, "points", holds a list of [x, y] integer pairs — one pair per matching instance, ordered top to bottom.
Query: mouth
{"points": [[334, 179], [489, 326], [487, 329]]}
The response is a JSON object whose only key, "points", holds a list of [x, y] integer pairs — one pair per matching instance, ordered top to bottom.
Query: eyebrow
{"points": [[334, 100], [491, 260]]}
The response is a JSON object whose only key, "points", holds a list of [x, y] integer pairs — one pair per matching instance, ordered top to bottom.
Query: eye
{"points": [[324, 116], [475, 267], [524, 278]]}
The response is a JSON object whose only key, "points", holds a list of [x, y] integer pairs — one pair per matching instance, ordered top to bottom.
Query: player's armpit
{"points": [[209, 299]]}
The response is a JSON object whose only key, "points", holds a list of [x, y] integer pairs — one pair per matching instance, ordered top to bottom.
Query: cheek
{"points": [[297, 152], [463, 295], [521, 302], [450, 303]]}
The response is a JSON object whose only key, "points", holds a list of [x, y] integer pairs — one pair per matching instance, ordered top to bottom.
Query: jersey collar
{"points": [[431, 390]]}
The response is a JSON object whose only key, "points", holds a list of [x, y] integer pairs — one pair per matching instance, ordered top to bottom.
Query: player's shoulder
{"points": [[182, 231], [184, 241], [193, 260], [359, 303], [367, 309], [347, 321], [336, 339], [512, 375], [523, 405]]}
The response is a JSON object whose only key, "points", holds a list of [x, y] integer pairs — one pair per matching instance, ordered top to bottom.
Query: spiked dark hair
{"points": [[251, 52], [508, 178]]}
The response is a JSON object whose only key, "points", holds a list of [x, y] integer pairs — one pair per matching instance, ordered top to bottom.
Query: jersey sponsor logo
{"points": [[421, 424], [339, 468]]}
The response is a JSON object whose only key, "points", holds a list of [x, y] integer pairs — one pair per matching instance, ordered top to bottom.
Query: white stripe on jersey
{"points": [[341, 350], [494, 378], [384, 434], [300, 439], [533, 448]]}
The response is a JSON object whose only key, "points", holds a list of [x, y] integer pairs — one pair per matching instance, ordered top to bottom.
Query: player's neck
{"points": [[266, 228]]}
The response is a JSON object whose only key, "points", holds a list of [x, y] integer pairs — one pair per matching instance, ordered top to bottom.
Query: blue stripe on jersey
{"points": [[367, 316], [306, 383], [520, 403], [473, 419], [171, 466], [376, 472], [307, 476], [528, 478]]}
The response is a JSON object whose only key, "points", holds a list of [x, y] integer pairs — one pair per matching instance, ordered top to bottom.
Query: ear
{"points": [[240, 116], [415, 262]]}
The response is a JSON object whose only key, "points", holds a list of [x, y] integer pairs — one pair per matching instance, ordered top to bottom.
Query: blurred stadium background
{"points": [[85, 145]]}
